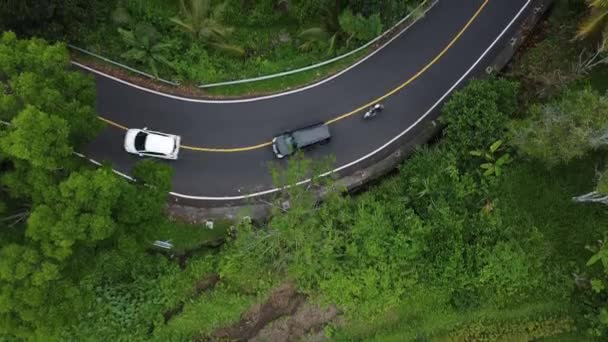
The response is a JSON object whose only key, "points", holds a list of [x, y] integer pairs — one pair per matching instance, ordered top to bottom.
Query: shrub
{"points": [[360, 28], [477, 115]]}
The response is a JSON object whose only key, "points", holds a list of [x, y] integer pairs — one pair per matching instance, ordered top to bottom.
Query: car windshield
{"points": [[140, 141], [290, 144], [285, 145]]}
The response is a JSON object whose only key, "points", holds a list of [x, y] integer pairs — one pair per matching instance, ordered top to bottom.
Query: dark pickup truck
{"points": [[288, 143]]}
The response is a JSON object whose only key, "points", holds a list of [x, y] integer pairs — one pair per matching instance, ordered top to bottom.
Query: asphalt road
{"points": [[420, 67]]}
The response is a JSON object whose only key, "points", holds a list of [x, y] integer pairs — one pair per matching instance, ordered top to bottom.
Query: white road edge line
{"points": [[252, 99], [124, 175], [230, 198]]}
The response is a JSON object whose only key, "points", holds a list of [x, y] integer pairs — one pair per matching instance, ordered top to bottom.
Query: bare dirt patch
{"points": [[283, 301], [285, 316], [309, 320]]}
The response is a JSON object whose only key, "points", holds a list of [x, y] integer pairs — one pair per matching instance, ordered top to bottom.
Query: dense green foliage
{"points": [[56, 19], [203, 41], [33, 73], [477, 117], [565, 128], [73, 238], [474, 238], [438, 242]]}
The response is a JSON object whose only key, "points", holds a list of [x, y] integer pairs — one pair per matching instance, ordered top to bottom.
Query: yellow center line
{"points": [[418, 74], [354, 111], [112, 123], [194, 148], [227, 150]]}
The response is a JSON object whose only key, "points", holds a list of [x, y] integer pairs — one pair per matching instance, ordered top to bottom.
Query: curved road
{"points": [[227, 155]]}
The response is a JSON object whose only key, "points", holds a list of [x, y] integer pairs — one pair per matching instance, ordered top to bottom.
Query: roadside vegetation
{"points": [[206, 41], [497, 232]]}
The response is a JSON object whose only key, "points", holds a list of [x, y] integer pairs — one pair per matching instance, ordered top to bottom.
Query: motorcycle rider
{"points": [[378, 107], [375, 109]]}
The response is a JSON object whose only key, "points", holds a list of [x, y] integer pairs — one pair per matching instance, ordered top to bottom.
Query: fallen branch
{"points": [[587, 63], [592, 197], [16, 218]]}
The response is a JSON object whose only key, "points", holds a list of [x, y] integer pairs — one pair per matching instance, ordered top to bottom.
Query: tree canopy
{"points": [[565, 128], [73, 212]]}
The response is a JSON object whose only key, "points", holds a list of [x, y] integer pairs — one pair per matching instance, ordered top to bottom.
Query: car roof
{"points": [[311, 134], [159, 143]]}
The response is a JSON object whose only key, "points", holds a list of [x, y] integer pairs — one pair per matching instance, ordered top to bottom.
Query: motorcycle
{"points": [[373, 111]]}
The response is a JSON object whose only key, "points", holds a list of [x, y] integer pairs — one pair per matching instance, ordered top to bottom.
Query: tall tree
{"points": [[33, 72], [564, 129], [37, 137], [142, 205], [75, 213], [81, 213], [33, 294]]}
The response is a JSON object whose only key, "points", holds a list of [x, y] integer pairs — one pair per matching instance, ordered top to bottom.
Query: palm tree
{"points": [[597, 20], [202, 22], [329, 31], [314, 35], [145, 46]]}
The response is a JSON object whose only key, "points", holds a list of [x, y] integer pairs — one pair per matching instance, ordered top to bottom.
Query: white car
{"points": [[144, 142]]}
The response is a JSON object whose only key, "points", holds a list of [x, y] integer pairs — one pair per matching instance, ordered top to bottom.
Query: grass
{"points": [[287, 82], [274, 85], [534, 196], [186, 237], [423, 310], [201, 316], [426, 317], [530, 322]]}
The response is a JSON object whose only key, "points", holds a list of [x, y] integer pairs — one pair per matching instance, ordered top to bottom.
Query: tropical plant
{"points": [[121, 16], [597, 20], [202, 22], [344, 25], [358, 27], [328, 32], [317, 35], [145, 46], [494, 163]]}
